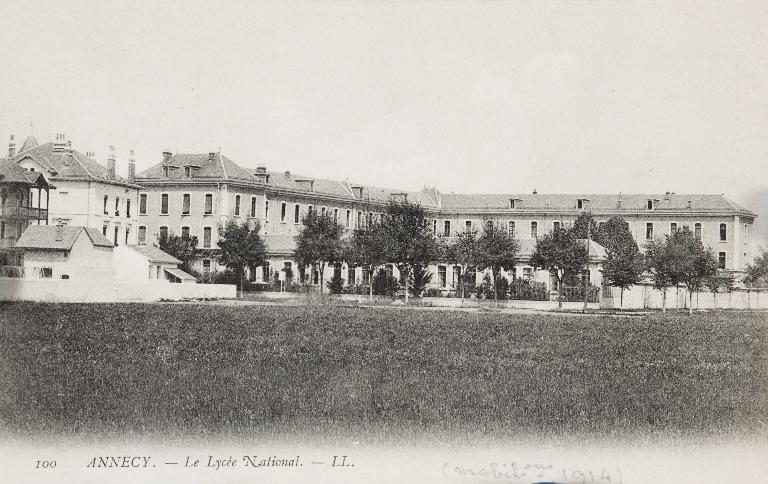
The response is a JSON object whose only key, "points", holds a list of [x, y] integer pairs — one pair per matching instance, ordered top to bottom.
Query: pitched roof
{"points": [[29, 143], [69, 163], [206, 165], [12, 173], [608, 202], [59, 237], [154, 254], [178, 273]]}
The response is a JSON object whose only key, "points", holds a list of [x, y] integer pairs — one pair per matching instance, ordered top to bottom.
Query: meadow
{"points": [[377, 374]]}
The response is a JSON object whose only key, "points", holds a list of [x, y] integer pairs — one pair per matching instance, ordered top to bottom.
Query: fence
{"points": [[576, 293], [644, 296]]}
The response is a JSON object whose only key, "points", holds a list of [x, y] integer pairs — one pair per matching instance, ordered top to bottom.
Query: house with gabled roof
{"points": [[88, 193], [66, 252]]}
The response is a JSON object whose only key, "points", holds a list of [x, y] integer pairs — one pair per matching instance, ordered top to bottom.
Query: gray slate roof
{"points": [[68, 164], [13, 173], [59, 237], [154, 254]]}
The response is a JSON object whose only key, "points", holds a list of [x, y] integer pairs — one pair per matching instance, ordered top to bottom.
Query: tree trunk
{"points": [[321, 269], [462, 276], [407, 277], [370, 285], [495, 290], [559, 294], [621, 300], [664, 300], [690, 302]]}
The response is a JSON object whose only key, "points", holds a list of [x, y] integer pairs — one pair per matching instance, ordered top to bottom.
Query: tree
{"points": [[585, 227], [410, 241], [319, 242], [181, 247], [241, 247], [367, 248], [496, 250], [463, 253], [561, 254], [694, 264], [624, 265], [659, 267], [756, 273], [420, 277], [714, 283], [729, 283]]}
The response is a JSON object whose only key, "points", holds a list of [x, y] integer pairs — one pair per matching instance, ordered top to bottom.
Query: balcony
{"points": [[24, 213]]}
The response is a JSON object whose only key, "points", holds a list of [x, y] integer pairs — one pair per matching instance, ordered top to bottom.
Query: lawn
{"points": [[380, 374]]}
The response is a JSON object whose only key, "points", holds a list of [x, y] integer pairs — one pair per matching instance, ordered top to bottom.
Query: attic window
{"points": [[165, 171], [187, 171], [514, 203], [582, 203], [650, 204]]}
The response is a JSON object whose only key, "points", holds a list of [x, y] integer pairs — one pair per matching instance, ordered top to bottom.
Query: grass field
{"points": [[380, 374]]}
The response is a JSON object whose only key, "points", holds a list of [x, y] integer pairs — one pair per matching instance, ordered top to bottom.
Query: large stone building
{"points": [[87, 193], [191, 194]]}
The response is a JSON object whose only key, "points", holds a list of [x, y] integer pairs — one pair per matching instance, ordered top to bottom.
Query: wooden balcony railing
{"points": [[24, 212]]}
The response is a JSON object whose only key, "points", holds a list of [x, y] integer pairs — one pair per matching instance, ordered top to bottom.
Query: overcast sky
{"points": [[470, 97]]}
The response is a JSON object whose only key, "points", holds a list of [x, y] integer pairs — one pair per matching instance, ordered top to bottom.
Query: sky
{"points": [[482, 97]]}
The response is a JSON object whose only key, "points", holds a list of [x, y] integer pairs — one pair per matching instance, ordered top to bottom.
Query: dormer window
{"points": [[165, 171], [187, 171], [514, 203], [582, 203], [650, 205]]}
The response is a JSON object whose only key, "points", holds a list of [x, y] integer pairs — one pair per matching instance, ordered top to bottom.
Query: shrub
{"points": [[227, 276], [420, 277], [336, 284], [384, 284], [360, 289], [522, 289], [485, 290], [434, 292]]}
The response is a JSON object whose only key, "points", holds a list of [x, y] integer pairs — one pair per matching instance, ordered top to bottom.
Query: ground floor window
{"points": [[721, 260], [206, 269], [441, 276]]}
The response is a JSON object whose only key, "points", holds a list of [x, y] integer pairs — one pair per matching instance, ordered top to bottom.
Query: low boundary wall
{"points": [[63, 290], [644, 296]]}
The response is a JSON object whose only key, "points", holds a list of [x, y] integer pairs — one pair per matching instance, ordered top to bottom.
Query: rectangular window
{"points": [[187, 171], [106, 198], [143, 204], [164, 204], [185, 204], [208, 204], [649, 204], [237, 205], [117, 206], [253, 206], [128, 207], [283, 209], [266, 210], [322, 211], [335, 215], [349, 216], [359, 219], [468, 225], [556, 225], [434, 227], [447, 228], [672, 228], [511, 229], [104, 230], [117, 230], [534, 230], [697, 230], [649, 231], [163, 232], [185, 232], [723, 232], [127, 233], [746, 233], [142, 235], [206, 237], [721, 260], [527, 273], [365, 275], [441, 276]]}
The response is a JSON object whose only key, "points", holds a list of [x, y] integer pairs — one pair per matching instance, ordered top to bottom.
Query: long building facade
{"points": [[192, 194]]}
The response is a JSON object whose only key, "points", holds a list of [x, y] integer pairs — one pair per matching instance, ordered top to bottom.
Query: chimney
{"points": [[11, 148], [90, 154], [167, 156], [211, 156], [111, 163], [131, 168], [261, 169], [261, 174], [287, 174], [357, 190], [535, 192], [666, 197], [618, 203], [690, 204], [59, 233]]}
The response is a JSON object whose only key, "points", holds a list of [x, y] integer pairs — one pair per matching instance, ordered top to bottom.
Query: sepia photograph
{"points": [[515, 242]]}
